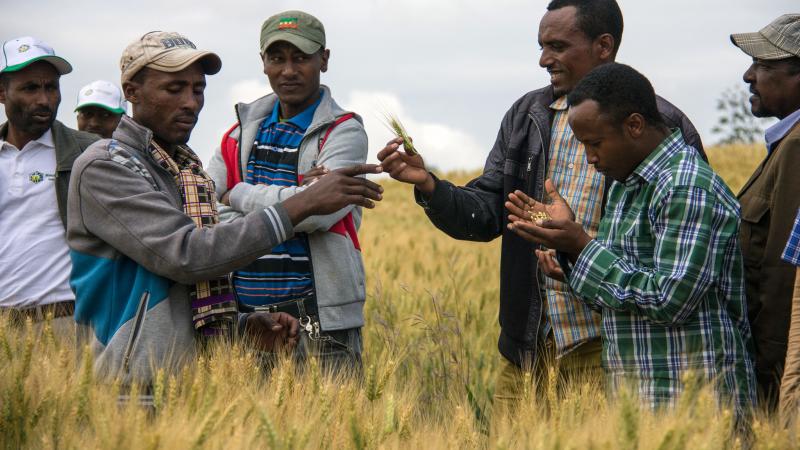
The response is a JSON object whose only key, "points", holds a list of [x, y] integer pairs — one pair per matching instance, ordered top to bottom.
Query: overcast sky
{"points": [[449, 68]]}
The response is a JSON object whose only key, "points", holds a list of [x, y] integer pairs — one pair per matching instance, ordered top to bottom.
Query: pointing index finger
{"points": [[360, 169]]}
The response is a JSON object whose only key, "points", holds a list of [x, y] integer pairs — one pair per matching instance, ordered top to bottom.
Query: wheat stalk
{"points": [[396, 127]]}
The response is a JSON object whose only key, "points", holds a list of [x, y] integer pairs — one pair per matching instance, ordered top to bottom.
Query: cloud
{"points": [[248, 90], [443, 147]]}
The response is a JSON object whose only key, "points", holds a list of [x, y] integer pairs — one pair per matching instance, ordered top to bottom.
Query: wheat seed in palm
{"points": [[539, 216]]}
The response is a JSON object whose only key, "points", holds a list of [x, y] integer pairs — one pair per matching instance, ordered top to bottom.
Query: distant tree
{"points": [[736, 124]]}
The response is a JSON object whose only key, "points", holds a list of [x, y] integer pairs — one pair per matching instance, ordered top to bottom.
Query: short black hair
{"points": [[595, 17], [139, 76], [4, 79], [619, 91]]}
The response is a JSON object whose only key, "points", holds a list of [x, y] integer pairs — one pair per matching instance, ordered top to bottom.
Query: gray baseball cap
{"points": [[778, 40]]}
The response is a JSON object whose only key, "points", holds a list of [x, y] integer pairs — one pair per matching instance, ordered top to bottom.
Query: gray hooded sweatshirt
{"points": [[338, 268]]}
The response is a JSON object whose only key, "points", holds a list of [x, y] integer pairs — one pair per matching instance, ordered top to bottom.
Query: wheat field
{"points": [[430, 363]]}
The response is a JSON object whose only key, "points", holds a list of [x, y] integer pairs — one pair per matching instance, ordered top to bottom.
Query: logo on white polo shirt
{"points": [[38, 177]]}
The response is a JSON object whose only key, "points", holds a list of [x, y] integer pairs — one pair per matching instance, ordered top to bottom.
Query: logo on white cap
{"points": [[21, 52]]}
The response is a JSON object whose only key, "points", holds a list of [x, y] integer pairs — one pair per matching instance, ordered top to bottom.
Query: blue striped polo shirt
{"points": [[285, 273]]}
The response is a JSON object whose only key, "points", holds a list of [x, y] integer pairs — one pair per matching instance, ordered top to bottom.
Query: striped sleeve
{"points": [[278, 220]]}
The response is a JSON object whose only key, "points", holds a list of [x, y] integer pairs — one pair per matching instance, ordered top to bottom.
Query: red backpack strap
{"points": [[337, 122], [229, 148], [346, 226]]}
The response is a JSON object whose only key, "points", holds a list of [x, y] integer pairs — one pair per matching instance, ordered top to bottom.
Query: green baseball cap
{"points": [[298, 28]]}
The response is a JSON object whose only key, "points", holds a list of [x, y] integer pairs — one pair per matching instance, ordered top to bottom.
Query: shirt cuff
{"points": [[277, 218], [591, 268]]}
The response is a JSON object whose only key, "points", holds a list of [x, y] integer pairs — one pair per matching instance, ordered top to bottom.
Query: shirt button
{"points": [[571, 166]]}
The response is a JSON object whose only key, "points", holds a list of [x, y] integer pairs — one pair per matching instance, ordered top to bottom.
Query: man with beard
{"points": [[36, 156], [772, 195]]}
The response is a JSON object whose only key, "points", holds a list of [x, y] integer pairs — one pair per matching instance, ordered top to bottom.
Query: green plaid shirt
{"points": [[666, 271]]}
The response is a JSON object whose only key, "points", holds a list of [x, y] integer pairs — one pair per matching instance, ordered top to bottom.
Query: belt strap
{"points": [[40, 313]]}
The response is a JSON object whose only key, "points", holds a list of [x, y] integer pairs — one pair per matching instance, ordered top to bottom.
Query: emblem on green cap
{"points": [[287, 22], [23, 48]]}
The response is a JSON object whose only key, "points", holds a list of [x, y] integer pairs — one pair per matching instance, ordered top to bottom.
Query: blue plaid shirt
{"points": [[792, 252]]}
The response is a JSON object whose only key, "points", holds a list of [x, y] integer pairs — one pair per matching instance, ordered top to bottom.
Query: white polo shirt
{"points": [[34, 257]]}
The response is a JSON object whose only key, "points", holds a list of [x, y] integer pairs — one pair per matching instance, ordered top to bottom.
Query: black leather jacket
{"points": [[475, 212]]}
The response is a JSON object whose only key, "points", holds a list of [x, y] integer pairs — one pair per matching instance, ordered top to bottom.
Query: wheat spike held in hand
{"points": [[396, 127]]}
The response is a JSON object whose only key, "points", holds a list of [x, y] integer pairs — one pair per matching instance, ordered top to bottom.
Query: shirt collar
{"points": [[560, 104], [302, 120], [775, 133], [45, 140], [657, 159]]}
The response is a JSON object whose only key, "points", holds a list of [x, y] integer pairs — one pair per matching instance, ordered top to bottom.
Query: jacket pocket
{"points": [[513, 169], [754, 228], [338, 270], [136, 329]]}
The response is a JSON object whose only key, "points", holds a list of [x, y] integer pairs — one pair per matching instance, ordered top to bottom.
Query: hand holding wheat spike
{"points": [[396, 127]]}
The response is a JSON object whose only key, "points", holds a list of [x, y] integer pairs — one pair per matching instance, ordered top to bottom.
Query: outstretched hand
{"points": [[404, 167], [313, 174], [335, 190], [523, 207], [551, 225]]}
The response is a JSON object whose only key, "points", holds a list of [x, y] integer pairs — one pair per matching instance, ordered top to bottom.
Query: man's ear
{"points": [[604, 46], [326, 54], [263, 56], [3, 85], [131, 89], [634, 125]]}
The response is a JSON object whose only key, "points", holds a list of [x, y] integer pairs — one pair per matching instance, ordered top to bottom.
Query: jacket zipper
{"points": [[541, 139], [239, 147], [304, 236], [540, 281], [136, 330]]}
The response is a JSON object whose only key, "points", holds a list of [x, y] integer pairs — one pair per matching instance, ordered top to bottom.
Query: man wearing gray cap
{"points": [[290, 137], [36, 156], [770, 199], [150, 262]]}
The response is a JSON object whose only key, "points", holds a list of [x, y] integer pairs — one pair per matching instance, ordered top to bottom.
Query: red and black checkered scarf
{"points": [[214, 310]]}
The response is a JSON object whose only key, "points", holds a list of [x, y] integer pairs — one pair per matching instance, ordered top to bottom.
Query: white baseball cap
{"points": [[20, 52], [104, 94]]}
